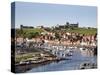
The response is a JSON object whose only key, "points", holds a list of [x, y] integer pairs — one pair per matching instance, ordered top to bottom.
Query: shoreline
{"points": [[25, 67], [21, 68]]}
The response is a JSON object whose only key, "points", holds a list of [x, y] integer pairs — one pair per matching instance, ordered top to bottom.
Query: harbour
{"points": [[59, 58]]}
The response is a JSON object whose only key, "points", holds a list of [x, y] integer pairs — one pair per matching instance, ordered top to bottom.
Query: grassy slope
{"points": [[34, 30], [84, 31]]}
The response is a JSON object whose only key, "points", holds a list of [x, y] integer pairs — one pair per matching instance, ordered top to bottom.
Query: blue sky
{"points": [[37, 14]]}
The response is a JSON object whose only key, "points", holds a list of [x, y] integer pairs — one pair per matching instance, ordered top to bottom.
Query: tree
{"points": [[31, 35], [57, 36]]}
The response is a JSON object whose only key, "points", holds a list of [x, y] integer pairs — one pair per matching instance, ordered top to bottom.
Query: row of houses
{"points": [[67, 37]]}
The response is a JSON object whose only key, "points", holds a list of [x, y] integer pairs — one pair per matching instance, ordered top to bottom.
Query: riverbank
{"points": [[46, 54], [22, 68]]}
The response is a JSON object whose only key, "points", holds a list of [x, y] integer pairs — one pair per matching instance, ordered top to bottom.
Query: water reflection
{"points": [[79, 60]]}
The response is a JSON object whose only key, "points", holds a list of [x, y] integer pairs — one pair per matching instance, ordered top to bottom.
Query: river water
{"points": [[73, 63]]}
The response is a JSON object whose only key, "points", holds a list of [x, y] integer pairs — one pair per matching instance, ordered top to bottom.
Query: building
{"points": [[67, 25], [21, 27], [40, 27]]}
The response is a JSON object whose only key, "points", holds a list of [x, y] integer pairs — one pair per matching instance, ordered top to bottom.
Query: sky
{"points": [[37, 14]]}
